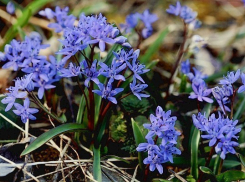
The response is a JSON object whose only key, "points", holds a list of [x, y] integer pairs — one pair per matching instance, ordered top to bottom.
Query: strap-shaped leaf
{"points": [[45, 137], [139, 138], [195, 144]]}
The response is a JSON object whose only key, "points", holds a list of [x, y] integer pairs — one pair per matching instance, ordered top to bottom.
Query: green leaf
{"points": [[29, 10], [154, 47], [183, 83], [240, 110], [45, 137], [139, 138], [195, 138], [194, 153], [242, 159], [216, 164], [96, 165], [206, 170], [209, 173], [231, 175], [190, 178]]}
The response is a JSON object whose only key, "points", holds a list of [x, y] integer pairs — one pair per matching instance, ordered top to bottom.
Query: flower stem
{"points": [[178, 60], [44, 108]]}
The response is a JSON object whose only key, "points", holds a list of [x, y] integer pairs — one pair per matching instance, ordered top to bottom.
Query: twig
{"points": [[19, 167]]}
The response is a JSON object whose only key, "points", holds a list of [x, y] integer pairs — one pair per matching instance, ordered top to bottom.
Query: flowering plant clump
{"points": [[101, 76], [162, 127], [220, 131]]}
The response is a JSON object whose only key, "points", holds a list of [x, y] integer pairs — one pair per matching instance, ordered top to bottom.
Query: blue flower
{"points": [[10, 8], [175, 10], [187, 14], [148, 18], [63, 20], [131, 22], [147, 32], [71, 44], [124, 56], [185, 67], [137, 69], [71, 71], [112, 71], [91, 73], [196, 75], [230, 78], [25, 83], [42, 86], [242, 88], [136, 89], [200, 91], [106, 92], [221, 95], [11, 96], [24, 111], [162, 125], [220, 131], [149, 146], [226, 146], [167, 151], [155, 160]]}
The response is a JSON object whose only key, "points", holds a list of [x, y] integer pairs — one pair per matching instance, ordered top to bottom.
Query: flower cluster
{"points": [[186, 13], [62, 19], [132, 21], [91, 30], [124, 62], [40, 73], [199, 87], [18, 91], [224, 94], [162, 126], [220, 131]]}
